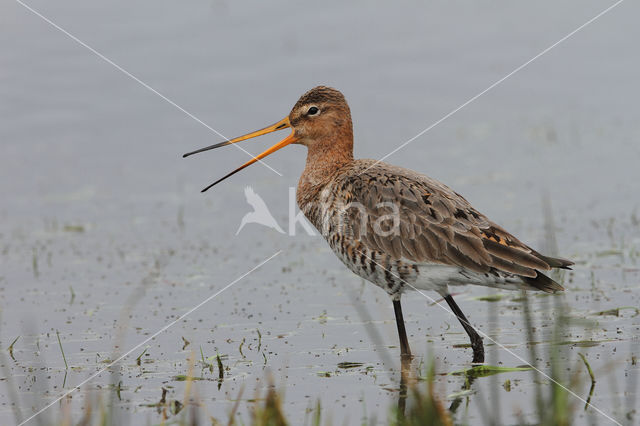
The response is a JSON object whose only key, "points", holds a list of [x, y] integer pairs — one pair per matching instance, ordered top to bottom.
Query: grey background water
{"points": [[97, 202]]}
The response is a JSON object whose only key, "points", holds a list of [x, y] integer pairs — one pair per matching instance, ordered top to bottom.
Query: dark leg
{"points": [[476, 340], [405, 352], [405, 364]]}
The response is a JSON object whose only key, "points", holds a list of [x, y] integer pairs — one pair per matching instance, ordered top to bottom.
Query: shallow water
{"points": [[99, 213]]}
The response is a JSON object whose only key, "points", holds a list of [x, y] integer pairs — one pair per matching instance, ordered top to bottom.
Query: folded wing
{"points": [[410, 216]]}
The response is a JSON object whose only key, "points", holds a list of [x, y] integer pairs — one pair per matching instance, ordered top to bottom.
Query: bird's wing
{"points": [[434, 224]]}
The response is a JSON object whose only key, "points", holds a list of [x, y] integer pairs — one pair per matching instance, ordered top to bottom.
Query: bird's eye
{"points": [[313, 111]]}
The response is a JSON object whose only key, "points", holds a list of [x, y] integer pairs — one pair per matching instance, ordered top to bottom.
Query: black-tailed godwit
{"points": [[394, 227]]}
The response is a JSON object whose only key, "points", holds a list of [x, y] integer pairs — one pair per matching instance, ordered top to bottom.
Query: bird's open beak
{"points": [[282, 124]]}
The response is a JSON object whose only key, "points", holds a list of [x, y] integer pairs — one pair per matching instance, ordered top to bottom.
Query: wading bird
{"points": [[394, 227]]}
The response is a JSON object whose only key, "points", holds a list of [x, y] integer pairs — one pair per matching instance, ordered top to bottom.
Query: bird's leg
{"points": [[476, 340], [405, 351], [405, 365]]}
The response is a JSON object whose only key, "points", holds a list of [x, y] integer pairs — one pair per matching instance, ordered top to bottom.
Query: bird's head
{"points": [[319, 116], [320, 120]]}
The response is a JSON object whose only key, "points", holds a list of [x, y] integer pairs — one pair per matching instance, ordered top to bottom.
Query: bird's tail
{"points": [[543, 282]]}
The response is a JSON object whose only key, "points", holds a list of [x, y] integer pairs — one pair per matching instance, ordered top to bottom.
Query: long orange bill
{"points": [[282, 124]]}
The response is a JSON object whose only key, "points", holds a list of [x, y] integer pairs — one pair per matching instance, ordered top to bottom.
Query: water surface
{"points": [[99, 212]]}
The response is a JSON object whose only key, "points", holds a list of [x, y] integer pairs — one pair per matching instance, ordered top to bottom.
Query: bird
{"points": [[260, 213], [396, 228]]}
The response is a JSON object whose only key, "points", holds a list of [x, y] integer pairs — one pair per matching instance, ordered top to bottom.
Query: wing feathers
{"points": [[437, 225], [472, 247], [515, 255], [458, 258], [555, 262], [512, 268]]}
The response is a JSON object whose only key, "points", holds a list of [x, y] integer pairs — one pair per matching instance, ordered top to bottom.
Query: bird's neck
{"points": [[324, 159]]}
